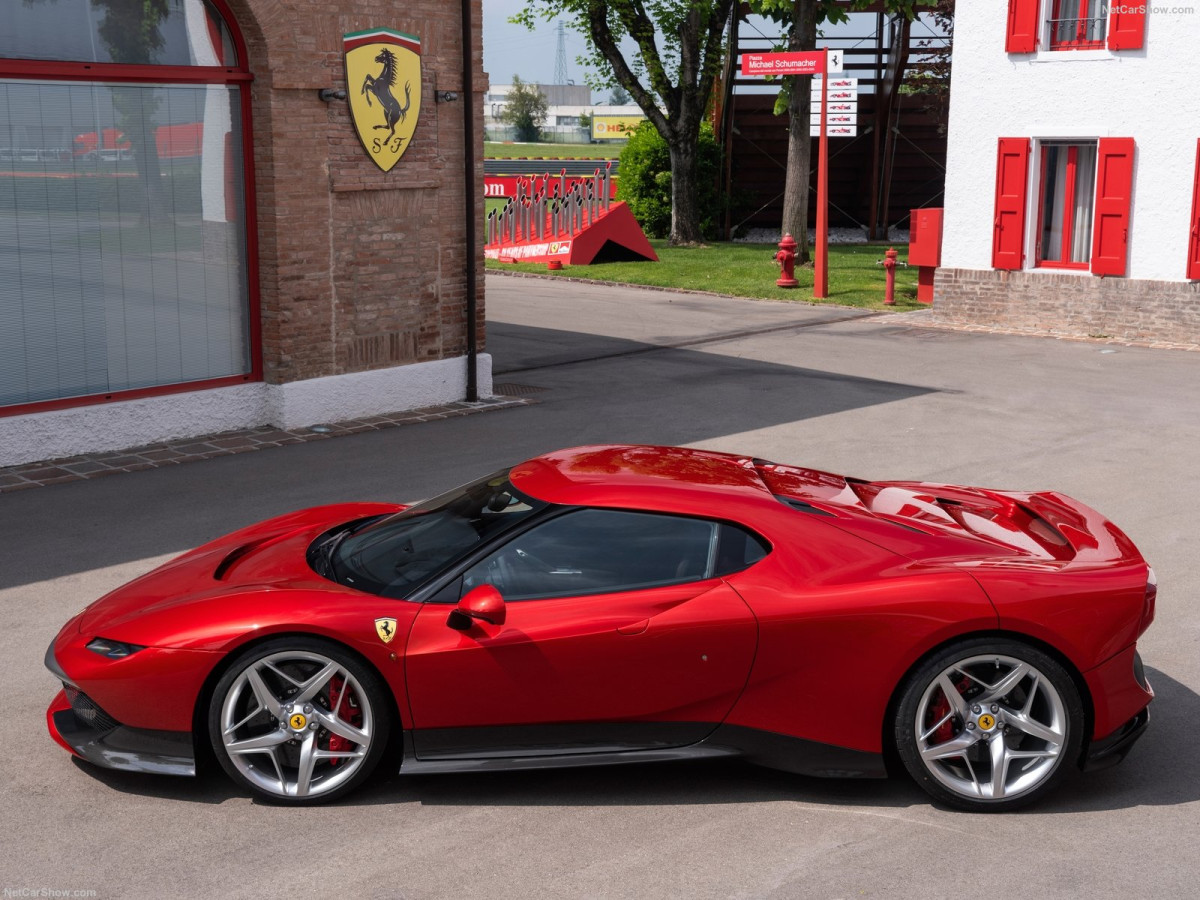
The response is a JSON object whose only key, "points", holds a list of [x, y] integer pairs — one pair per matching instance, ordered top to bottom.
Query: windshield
{"points": [[395, 554]]}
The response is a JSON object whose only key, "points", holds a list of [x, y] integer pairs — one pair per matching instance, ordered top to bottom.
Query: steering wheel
{"points": [[504, 575]]}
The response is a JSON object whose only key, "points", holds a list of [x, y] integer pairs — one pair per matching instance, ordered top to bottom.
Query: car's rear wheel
{"points": [[299, 720], [989, 724]]}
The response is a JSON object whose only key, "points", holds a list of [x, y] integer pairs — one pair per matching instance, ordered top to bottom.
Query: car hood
{"points": [[266, 557]]}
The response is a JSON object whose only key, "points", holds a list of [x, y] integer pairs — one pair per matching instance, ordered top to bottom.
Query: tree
{"points": [[800, 19], [678, 58], [933, 79], [618, 97], [525, 110], [645, 182]]}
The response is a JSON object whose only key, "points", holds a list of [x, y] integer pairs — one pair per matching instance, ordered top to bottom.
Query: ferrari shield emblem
{"points": [[383, 83], [386, 629]]}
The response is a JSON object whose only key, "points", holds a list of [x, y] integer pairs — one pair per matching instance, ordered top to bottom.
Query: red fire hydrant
{"points": [[786, 258], [889, 266]]}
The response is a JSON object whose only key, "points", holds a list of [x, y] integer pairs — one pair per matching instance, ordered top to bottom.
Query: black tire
{"points": [[284, 699], [1009, 735]]}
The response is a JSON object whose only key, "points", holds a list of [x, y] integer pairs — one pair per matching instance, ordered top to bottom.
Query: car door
{"points": [[619, 633]]}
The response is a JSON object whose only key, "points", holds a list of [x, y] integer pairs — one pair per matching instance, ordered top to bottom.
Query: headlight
{"points": [[113, 649]]}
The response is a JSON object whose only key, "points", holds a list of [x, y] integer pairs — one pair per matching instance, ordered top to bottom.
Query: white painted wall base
{"points": [[131, 423]]}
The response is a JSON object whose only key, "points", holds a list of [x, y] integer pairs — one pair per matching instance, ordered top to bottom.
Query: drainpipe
{"points": [[469, 198]]}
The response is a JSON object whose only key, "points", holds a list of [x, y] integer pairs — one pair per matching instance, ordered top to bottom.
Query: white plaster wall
{"points": [[1151, 95], [340, 397], [131, 423]]}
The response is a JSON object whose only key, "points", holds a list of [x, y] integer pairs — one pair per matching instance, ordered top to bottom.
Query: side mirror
{"points": [[483, 603]]}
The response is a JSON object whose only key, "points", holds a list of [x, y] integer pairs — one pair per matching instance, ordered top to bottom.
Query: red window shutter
{"points": [[1023, 26], [1127, 27], [1114, 190], [1008, 228], [1193, 266]]}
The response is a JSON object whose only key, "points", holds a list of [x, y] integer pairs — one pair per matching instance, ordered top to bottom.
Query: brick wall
{"points": [[358, 269], [1123, 308]]}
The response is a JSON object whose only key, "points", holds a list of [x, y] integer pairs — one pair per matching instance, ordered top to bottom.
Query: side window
{"points": [[1078, 24], [1074, 25], [1068, 173], [738, 549], [599, 551]]}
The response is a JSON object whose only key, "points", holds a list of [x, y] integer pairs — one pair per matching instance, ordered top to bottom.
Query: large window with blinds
{"points": [[125, 263]]}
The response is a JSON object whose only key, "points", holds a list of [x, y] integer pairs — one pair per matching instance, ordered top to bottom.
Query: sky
{"points": [[514, 50]]}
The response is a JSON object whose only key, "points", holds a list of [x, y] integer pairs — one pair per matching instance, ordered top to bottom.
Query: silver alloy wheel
{"points": [[296, 724], [991, 727]]}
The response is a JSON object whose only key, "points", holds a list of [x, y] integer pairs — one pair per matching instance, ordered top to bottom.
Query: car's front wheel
{"points": [[299, 720], [989, 724]]}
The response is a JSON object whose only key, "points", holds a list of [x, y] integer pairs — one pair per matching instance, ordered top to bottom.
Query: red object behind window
{"points": [[1023, 25], [1127, 27], [1012, 188], [1114, 188], [1193, 265]]}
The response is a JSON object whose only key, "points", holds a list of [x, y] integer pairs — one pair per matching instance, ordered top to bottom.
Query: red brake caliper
{"points": [[347, 712], [945, 731]]}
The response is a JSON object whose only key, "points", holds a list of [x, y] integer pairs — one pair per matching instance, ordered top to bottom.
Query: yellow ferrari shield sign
{"points": [[383, 83], [386, 629]]}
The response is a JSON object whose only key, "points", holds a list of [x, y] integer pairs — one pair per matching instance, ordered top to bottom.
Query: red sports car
{"points": [[617, 604]]}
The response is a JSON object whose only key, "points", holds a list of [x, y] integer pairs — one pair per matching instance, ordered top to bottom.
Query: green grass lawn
{"points": [[492, 150], [747, 270]]}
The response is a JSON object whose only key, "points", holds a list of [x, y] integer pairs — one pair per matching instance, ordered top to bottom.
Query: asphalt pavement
{"points": [[865, 394]]}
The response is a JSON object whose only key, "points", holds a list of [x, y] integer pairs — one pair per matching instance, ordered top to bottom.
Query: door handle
{"points": [[634, 627]]}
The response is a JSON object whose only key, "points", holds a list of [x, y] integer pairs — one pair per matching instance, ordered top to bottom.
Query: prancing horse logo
{"points": [[377, 63], [381, 86], [386, 629]]}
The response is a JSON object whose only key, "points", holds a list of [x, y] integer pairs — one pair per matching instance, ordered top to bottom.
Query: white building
{"points": [[568, 104], [1072, 192]]}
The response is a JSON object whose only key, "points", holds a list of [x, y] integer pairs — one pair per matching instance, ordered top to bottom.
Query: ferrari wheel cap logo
{"points": [[383, 84], [386, 629], [298, 722], [987, 722]]}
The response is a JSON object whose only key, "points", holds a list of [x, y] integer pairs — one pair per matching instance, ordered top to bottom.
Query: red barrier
{"points": [[506, 185], [548, 221], [612, 234]]}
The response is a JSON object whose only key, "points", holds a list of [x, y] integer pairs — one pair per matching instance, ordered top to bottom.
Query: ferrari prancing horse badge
{"points": [[383, 84], [386, 629]]}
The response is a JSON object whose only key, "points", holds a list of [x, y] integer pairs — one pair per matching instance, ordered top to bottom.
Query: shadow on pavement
{"points": [[647, 394], [1161, 768]]}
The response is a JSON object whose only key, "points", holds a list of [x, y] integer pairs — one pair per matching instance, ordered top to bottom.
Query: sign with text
{"points": [[801, 62], [835, 84], [833, 118], [614, 128], [834, 130]]}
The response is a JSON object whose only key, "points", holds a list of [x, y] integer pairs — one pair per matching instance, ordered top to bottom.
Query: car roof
{"points": [[630, 475]]}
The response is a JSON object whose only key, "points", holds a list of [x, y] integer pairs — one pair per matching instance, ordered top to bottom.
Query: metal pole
{"points": [[468, 102], [821, 261]]}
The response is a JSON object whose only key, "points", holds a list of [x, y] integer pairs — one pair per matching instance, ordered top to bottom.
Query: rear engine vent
{"points": [[803, 506]]}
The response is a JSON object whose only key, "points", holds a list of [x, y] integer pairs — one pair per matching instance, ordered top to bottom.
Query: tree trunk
{"points": [[135, 116], [799, 158], [685, 211]]}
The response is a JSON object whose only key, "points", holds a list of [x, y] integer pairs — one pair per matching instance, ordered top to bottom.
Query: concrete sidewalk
{"points": [[862, 394]]}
